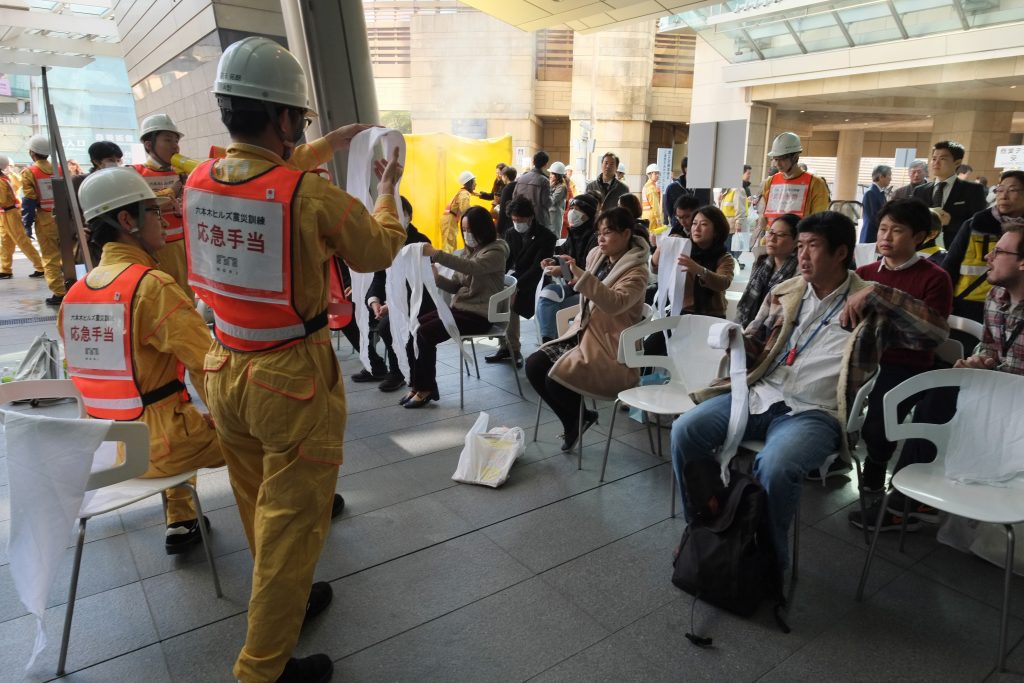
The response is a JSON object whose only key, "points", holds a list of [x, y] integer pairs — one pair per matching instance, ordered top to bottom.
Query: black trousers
{"points": [[384, 331], [431, 332], [565, 402]]}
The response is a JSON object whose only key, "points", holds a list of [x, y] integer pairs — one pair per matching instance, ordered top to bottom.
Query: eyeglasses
{"points": [[999, 189], [154, 209], [772, 233], [997, 251]]}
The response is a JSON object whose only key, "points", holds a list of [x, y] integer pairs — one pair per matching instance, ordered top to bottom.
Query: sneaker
{"points": [[37, 273], [6, 276], [54, 300], [364, 376], [393, 381], [836, 469], [337, 506], [918, 511], [890, 521], [181, 536], [320, 596], [312, 669]]}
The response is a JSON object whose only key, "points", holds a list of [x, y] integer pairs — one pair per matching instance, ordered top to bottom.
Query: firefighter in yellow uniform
{"points": [[160, 138], [37, 184], [652, 201], [451, 220], [12, 232], [260, 237], [125, 367]]}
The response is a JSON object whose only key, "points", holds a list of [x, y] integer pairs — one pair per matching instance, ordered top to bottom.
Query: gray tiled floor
{"points": [[554, 576]]}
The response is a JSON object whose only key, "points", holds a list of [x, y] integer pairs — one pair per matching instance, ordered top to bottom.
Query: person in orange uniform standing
{"points": [[160, 137], [37, 185], [792, 189], [12, 232], [260, 236], [126, 326]]}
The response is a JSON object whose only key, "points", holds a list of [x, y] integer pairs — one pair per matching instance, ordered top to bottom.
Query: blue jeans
{"points": [[548, 309], [794, 445]]}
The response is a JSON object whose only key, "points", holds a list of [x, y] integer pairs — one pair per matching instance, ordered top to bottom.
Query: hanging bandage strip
{"points": [[361, 183], [671, 279], [401, 312], [718, 338]]}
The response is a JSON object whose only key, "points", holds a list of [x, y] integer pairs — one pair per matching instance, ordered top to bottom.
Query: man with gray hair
{"points": [[918, 172], [873, 200]]}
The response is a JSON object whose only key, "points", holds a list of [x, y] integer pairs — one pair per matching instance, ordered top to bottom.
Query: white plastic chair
{"points": [[499, 312], [967, 326], [114, 487], [996, 504]]}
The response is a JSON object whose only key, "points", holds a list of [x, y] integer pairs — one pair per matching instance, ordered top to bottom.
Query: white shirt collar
{"points": [[948, 181], [907, 264]]}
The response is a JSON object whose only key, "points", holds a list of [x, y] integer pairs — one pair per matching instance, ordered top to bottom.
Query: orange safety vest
{"points": [[162, 180], [44, 188], [787, 196], [238, 239], [339, 310], [97, 324]]}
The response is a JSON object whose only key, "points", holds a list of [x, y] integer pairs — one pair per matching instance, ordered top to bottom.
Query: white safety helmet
{"points": [[260, 69], [156, 123], [785, 143], [40, 144], [4, 162], [558, 168], [622, 168], [652, 168], [465, 177], [112, 188]]}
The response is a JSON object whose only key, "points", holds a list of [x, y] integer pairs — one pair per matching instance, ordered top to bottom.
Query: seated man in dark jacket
{"points": [[581, 239], [529, 243], [389, 376]]}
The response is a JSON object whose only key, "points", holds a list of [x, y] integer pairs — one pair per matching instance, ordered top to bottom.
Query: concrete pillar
{"points": [[611, 90], [980, 131], [851, 142]]}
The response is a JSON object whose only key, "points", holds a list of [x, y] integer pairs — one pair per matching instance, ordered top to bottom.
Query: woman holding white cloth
{"points": [[479, 275]]}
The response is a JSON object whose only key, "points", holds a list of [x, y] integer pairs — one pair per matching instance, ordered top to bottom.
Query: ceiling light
{"points": [[801, 111]]}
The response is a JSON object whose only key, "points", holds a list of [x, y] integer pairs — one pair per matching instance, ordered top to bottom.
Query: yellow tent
{"points": [[433, 163]]}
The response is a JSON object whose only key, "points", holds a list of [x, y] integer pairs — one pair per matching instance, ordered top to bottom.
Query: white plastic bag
{"points": [[42, 360], [488, 454]]}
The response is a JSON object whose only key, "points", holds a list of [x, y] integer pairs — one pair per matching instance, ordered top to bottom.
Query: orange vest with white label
{"points": [[163, 180], [44, 187], [787, 195], [238, 238], [97, 324]]}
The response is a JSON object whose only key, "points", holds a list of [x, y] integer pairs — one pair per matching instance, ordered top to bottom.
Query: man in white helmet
{"points": [[160, 137], [37, 185], [791, 190], [651, 200], [451, 220], [12, 232], [260, 237], [126, 327]]}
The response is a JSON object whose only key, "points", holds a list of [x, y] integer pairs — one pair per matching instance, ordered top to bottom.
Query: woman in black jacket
{"points": [[581, 240], [529, 243]]}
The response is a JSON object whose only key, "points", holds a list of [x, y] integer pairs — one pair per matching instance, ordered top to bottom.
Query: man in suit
{"points": [[918, 172], [874, 198], [956, 200]]}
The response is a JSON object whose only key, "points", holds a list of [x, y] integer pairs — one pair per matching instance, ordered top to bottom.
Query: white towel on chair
{"points": [[48, 461]]}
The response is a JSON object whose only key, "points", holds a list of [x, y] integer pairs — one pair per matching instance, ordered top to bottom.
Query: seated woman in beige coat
{"points": [[611, 299]]}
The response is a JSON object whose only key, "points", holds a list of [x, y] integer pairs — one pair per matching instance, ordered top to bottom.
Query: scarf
{"points": [[1006, 221], [708, 258], [762, 280]]}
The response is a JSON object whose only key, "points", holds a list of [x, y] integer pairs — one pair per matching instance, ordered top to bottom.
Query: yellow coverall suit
{"points": [[652, 207], [451, 221], [46, 230], [12, 232], [171, 257], [165, 329], [281, 414]]}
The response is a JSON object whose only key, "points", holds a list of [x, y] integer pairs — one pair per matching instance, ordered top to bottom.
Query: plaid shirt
{"points": [[1001, 321]]}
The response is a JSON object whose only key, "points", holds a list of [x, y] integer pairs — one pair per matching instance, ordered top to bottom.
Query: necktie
{"points": [[940, 190]]}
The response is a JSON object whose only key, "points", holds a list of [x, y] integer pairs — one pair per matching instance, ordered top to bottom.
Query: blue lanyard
{"points": [[795, 350]]}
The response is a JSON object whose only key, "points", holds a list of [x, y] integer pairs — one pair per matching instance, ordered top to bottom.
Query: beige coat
{"points": [[609, 306]]}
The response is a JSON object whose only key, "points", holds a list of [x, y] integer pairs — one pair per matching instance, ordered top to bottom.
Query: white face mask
{"points": [[577, 217], [521, 227], [468, 238]]}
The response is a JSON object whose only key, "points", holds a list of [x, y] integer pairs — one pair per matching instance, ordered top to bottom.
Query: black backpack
{"points": [[726, 556]]}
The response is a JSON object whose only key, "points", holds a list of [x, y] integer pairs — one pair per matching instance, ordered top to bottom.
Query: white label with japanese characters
{"points": [[787, 198], [236, 242], [94, 336]]}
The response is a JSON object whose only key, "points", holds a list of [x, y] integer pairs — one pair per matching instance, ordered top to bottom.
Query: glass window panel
{"points": [[869, 24]]}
